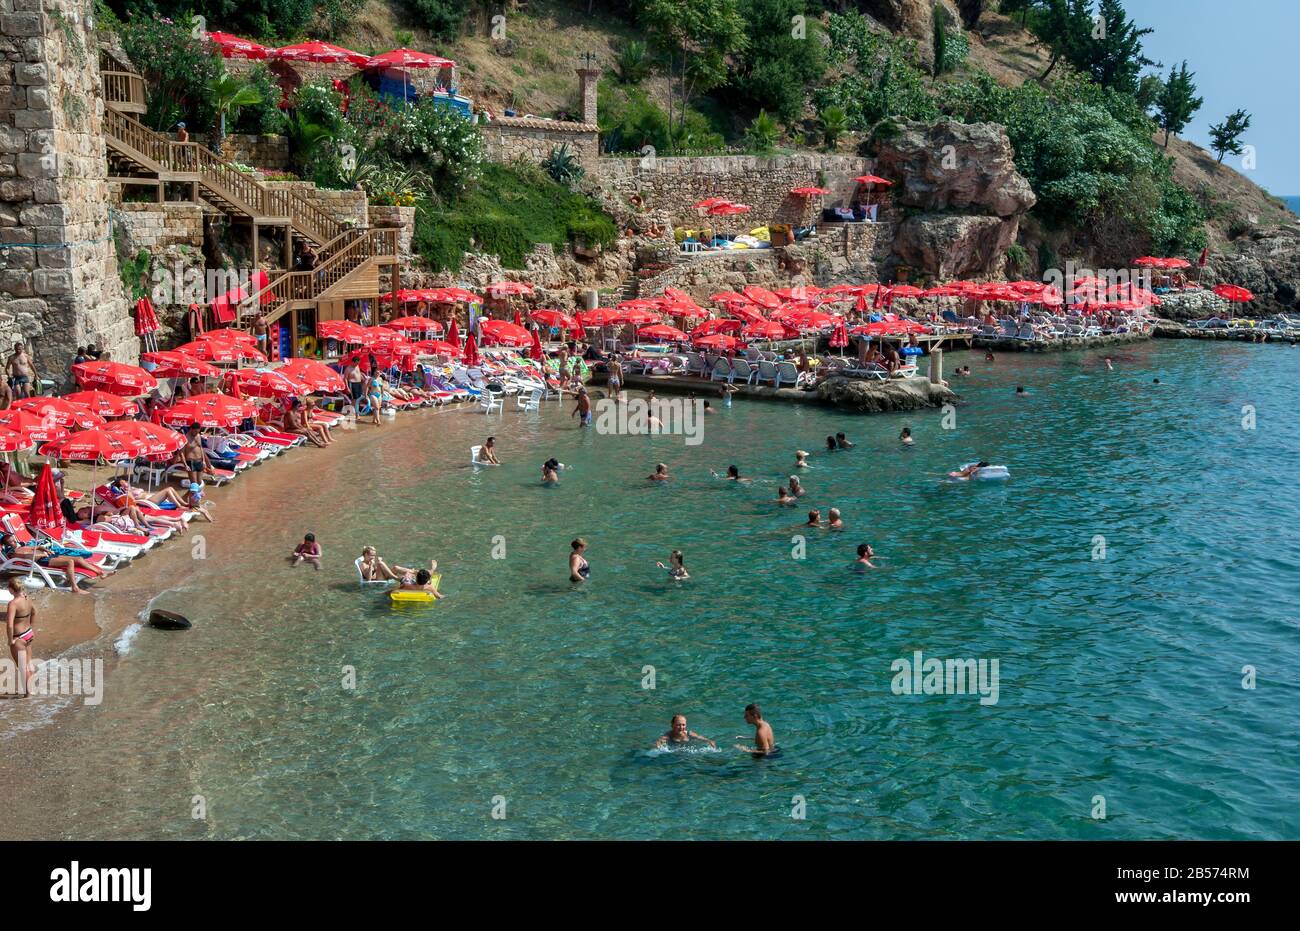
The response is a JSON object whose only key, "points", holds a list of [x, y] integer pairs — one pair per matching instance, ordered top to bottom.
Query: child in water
{"points": [[308, 550]]}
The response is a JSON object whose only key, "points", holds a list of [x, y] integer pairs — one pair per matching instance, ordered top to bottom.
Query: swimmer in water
{"points": [[988, 355], [1109, 366], [1020, 391], [708, 409], [906, 436], [842, 442], [830, 444], [800, 459], [970, 470], [550, 472], [660, 474], [733, 475], [796, 487], [784, 497], [814, 519], [833, 521], [865, 552], [676, 566], [579, 568], [423, 582], [679, 733], [764, 739]]}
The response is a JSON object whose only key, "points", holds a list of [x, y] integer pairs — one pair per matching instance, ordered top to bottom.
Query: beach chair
{"points": [[721, 371], [742, 371], [766, 372], [788, 373], [488, 401], [530, 403], [13, 523], [363, 580]]}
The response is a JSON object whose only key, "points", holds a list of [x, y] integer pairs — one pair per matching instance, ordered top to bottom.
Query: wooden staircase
{"points": [[352, 254]]}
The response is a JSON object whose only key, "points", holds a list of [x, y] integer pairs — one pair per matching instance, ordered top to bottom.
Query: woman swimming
{"points": [[800, 459], [970, 470], [733, 475], [676, 566], [579, 568], [679, 733]]}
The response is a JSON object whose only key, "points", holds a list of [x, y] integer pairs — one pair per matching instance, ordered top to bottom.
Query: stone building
{"points": [[506, 138], [59, 282]]}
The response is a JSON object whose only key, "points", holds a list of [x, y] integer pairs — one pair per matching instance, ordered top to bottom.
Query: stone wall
{"points": [[509, 137], [268, 152], [669, 186], [402, 218], [159, 226], [58, 270]]}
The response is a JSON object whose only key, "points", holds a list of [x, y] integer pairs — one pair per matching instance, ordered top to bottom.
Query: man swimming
{"points": [[906, 436], [842, 442], [970, 470], [660, 474], [733, 475], [784, 497], [814, 519], [833, 520], [865, 552], [679, 733], [764, 739]]}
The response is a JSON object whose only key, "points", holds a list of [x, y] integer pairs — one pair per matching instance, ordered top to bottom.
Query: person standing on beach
{"points": [[21, 372], [583, 408], [20, 620], [764, 739]]}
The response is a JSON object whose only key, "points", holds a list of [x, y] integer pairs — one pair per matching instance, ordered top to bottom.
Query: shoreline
{"points": [[90, 626]]}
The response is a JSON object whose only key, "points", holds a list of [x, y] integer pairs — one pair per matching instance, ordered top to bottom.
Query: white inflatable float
{"points": [[984, 474]]}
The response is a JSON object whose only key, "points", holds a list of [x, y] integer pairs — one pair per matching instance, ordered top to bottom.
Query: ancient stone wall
{"points": [[509, 137], [267, 152], [669, 186], [401, 218], [159, 226], [58, 270]]}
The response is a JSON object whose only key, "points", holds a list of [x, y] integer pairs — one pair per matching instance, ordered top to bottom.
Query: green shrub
{"points": [[633, 62], [178, 70], [761, 134], [561, 166], [505, 213]]}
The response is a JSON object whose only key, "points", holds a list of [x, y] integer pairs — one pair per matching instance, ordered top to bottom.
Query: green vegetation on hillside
{"points": [[507, 211]]}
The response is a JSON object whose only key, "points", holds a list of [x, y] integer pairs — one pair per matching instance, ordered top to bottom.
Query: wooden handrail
{"points": [[123, 87], [365, 244]]}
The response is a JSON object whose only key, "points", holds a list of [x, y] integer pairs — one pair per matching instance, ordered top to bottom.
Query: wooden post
{"points": [[288, 247], [256, 248], [397, 282], [293, 333], [936, 366]]}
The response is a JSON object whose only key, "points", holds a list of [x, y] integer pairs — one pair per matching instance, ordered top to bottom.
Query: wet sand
{"points": [[87, 626]]}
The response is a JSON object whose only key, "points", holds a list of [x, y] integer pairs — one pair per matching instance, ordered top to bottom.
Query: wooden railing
{"points": [[124, 90], [240, 189], [350, 251]]}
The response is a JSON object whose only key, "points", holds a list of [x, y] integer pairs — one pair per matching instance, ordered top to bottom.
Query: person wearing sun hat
{"points": [[194, 501]]}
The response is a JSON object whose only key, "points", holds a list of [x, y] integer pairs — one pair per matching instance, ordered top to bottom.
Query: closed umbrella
{"points": [[471, 351], [535, 351], [45, 514]]}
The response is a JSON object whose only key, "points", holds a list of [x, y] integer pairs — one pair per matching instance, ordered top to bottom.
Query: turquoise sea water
{"points": [[1293, 202], [1119, 677]]}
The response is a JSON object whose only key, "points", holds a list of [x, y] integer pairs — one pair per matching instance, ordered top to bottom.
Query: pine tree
{"points": [[939, 23], [1066, 26], [1114, 55], [1177, 101], [1226, 136]]}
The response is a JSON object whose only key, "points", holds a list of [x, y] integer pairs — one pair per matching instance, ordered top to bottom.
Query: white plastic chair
{"points": [[721, 371], [488, 401], [532, 402], [365, 581]]}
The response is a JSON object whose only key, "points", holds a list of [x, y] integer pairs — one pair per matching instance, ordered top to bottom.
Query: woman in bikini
{"points": [[375, 393], [68, 565], [676, 566], [579, 568], [20, 620]]}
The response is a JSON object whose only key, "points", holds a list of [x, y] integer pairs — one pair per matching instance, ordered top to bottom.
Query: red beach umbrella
{"points": [[234, 47], [322, 52], [407, 58], [872, 179], [809, 191], [709, 202], [728, 209], [500, 289], [1234, 293], [454, 296], [762, 297], [599, 317], [636, 317], [553, 318], [415, 325], [718, 325], [764, 329], [344, 331], [661, 331], [505, 333], [453, 335], [840, 336], [718, 341], [435, 347], [221, 350], [471, 351], [535, 351], [172, 364], [317, 376], [117, 377], [268, 383], [104, 404], [208, 410], [59, 411], [32, 428], [158, 440], [11, 441], [94, 446], [45, 514]]}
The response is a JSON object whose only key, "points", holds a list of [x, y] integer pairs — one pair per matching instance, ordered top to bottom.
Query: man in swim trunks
{"points": [[21, 372], [583, 409], [842, 442], [487, 453], [195, 456], [660, 474], [833, 520], [865, 552], [423, 582], [679, 733], [764, 740]]}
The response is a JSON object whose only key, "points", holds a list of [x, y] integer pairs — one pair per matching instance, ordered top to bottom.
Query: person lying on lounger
{"points": [[42, 556]]}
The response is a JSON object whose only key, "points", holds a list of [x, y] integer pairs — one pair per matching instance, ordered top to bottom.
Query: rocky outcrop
{"points": [[948, 165], [963, 179], [954, 245], [1268, 263], [873, 397]]}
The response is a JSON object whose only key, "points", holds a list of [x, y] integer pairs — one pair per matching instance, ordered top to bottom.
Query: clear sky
{"points": [[1245, 54]]}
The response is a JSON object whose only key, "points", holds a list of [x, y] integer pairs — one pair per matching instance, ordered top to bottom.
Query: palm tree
{"points": [[229, 95], [834, 123], [305, 137]]}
